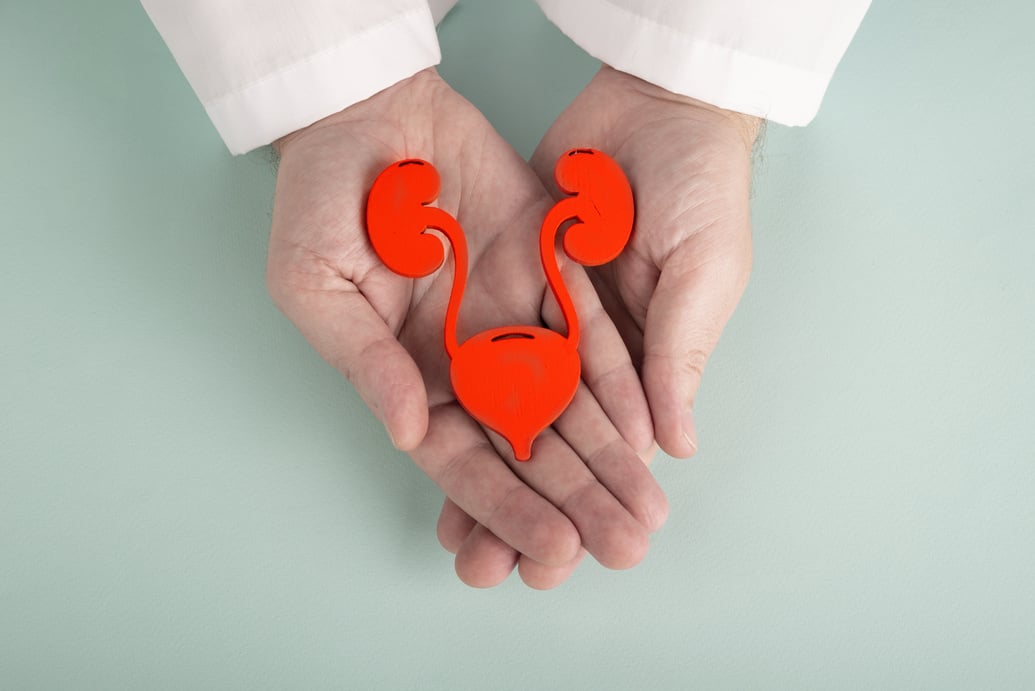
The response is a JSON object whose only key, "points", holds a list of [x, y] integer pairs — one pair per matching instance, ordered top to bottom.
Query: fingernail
{"points": [[690, 429], [391, 437]]}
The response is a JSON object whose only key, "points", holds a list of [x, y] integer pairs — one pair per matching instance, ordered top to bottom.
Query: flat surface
{"points": [[191, 498]]}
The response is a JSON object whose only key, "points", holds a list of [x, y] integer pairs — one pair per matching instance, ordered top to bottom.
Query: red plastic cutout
{"points": [[515, 380]]}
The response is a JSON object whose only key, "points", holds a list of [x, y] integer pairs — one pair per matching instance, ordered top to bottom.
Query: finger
{"points": [[697, 292], [345, 330], [631, 331], [607, 367], [456, 455], [648, 455], [612, 461], [453, 526], [607, 530], [484, 560], [543, 577]]}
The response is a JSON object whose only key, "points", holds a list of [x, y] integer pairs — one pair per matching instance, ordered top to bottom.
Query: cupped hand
{"points": [[676, 285], [673, 289], [584, 487]]}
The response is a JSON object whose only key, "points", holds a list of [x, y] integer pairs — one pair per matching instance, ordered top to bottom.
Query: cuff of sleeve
{"points": [[721, 75], [325, 82]]}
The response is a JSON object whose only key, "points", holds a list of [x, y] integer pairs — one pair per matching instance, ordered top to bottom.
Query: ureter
{"points": [[449, 227], [548, 253]]}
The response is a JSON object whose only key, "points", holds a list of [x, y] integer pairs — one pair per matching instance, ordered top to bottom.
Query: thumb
{"points": [[699, 287], [348, 333]]}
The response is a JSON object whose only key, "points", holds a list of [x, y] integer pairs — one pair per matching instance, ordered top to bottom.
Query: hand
{"points": [[676, 285], [585, 485], [482, 558]]}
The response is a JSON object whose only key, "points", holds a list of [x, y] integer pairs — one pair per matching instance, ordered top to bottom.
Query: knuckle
{"points": [[693, 362], [596, 379], [450, 476], [580, 494], [499, 508]]}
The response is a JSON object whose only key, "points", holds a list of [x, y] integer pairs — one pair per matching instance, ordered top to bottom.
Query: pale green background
{"points": [[191, 499]]}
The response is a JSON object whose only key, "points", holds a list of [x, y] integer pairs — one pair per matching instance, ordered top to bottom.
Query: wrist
{"points": [[397, 102], [747, 127]]}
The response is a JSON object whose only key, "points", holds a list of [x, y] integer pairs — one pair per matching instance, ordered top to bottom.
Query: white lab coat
{"points": [[264, 68]]}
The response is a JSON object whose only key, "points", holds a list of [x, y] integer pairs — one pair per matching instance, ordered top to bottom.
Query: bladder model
{"points": [[515, 380]]}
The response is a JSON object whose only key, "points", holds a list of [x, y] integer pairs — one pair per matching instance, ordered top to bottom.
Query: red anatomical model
{"points": [[515, 380]]}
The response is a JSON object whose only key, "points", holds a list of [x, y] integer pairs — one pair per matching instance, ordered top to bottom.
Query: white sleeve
{"points": [[772, 59], [264, 68]]}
